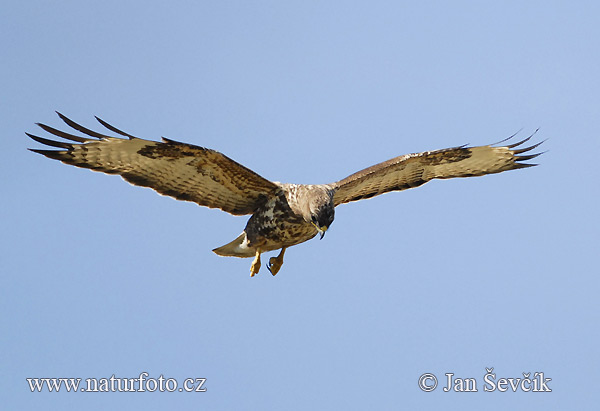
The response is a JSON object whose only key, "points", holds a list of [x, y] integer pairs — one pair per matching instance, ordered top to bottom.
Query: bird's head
{"points": [[321, 210], [323, 219]]}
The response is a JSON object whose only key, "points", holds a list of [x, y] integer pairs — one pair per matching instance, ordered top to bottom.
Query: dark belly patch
{"points": [[276, 225]]}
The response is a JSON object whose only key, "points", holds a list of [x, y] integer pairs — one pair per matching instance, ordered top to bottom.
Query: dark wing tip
{"points": [[81, 128], [113, 128], [62, 134], [72, 137], [508, 138], [50, 143], [518, 143], [524, 150], [56, 155], [528, 157], [518, 158], [524, 165]]}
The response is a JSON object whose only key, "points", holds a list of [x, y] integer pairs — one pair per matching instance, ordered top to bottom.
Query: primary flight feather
{"points": [[282, 215]]}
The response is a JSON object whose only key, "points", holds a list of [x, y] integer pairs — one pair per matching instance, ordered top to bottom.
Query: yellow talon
{"points": [[275, 263], [255, 267]]}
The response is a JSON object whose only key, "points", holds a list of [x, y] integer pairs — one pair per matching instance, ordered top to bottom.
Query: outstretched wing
{"points": [[179, 170], [413, 170]]}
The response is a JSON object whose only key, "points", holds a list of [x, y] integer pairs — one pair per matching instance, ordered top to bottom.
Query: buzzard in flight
{"points": [[282, 215]]}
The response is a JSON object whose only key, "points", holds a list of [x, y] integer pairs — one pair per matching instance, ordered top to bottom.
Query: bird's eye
{"points": [[314, 219]]}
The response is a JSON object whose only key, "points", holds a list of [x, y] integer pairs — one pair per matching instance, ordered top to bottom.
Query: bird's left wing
{"points": [[179, 170], [413, 170]]}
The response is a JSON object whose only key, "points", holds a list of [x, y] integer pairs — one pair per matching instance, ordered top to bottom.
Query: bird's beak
{"points": [[321, 230]]}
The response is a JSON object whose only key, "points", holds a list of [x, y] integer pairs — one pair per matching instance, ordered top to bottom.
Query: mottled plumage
{"points": [[283, 215]]}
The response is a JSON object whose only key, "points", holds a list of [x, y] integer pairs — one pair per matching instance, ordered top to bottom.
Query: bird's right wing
{"points": [[179, 170]]}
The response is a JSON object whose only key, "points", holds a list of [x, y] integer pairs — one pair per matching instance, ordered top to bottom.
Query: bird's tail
{"points": [[236, 248]]}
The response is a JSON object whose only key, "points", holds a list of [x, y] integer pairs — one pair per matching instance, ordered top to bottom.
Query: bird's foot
{"points": [[275, 263], [255, 267]]}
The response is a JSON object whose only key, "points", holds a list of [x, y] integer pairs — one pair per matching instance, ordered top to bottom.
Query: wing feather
{"points": [[179, 170], [413, 170]]}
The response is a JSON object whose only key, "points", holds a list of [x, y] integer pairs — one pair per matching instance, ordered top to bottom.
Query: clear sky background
{"points": [[102, 278]]}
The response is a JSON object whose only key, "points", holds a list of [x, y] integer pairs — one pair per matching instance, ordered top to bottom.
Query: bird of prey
{"points": [[282, 215]]}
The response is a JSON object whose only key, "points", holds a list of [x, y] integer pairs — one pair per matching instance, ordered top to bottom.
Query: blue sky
{"points": [[102, 278]]}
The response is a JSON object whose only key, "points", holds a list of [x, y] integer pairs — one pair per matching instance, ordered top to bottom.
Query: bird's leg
{"points": [[275, 263], [255, 264]]}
